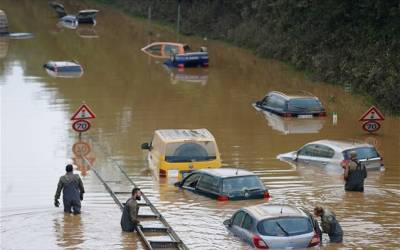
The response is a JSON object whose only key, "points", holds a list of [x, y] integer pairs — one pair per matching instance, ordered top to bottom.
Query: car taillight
{"points": [[181, 65], [321, 114], [287, 115], [381, 160], [163, 172], [266, 195], [222, 198], [315, 241], [259, 243]]}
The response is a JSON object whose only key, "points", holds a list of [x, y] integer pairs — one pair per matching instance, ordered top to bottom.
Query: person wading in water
{"points": [[354, 174], [72, 187], [129, 221], [329, 224]]}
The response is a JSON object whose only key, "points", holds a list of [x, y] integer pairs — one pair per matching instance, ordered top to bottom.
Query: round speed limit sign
{"points": [[81, 126]]}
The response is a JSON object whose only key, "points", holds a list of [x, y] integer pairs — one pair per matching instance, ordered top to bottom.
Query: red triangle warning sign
{"points": [[82, 113], [372, 114]]}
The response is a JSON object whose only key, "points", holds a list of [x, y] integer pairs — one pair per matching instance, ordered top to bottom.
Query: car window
{"points": [[186, 48], [171, 49], [155, 50], [69, 69], [274, 101], [304, 104], [308, 150], [323, 151], [190, 152], [362, 153], [191, 180], [209, 183], [241, 183], [238, 218], [247, 222], [285, 226]]}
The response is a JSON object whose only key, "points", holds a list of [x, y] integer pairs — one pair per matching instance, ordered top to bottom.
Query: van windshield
{"points": [[305, 104], [190, 151], [241, 183], [285, 226]]}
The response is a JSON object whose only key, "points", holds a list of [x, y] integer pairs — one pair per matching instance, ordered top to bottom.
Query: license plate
{"points": [[304, 116]]}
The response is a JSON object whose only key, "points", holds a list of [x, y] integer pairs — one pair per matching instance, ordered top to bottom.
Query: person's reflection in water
{"points": [[69, 231]]}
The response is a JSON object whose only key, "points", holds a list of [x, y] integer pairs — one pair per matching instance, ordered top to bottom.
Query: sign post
{"points": [[80, 119], [371, 119]]}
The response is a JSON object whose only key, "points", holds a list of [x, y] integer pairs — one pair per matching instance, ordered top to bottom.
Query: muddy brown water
{"points": [[132, 95]]}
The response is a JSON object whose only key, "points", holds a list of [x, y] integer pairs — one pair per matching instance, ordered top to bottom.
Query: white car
{"points": [[65, 69], [324, 152], [274, 226]]}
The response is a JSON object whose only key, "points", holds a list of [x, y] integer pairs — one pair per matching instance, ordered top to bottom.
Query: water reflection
{"points": [[3, 46], [187, 75], [292, 125], [68, 229]]}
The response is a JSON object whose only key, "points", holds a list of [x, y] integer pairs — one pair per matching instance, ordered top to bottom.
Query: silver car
{"points": [[324, 152], [274, 226]]}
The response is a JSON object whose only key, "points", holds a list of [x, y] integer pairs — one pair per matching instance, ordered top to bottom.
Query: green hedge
{"points": [[345, 42]]}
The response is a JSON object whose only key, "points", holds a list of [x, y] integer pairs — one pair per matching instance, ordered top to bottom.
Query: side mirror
{"points": [[258, 102], [146, 146], [178, 184], [228, 222]]}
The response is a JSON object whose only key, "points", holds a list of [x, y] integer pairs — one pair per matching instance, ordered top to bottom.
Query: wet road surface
{"points": [[132, 95]]}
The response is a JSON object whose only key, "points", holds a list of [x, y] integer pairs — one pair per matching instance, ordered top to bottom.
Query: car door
{"points": [[306, 154], [322, 155], [191, 181], [208, 185], [236, 223], [246, 228]]}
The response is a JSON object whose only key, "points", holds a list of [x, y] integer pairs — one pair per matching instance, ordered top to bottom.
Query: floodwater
{"points": [[132, 95]]}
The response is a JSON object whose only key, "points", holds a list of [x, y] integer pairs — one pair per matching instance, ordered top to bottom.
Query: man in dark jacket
{"points": [[354, 174], [72, 187], [129, 219], [329, 224]]}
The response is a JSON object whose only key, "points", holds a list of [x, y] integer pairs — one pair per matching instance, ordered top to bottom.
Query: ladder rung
{"points": [[147, 216], [154, 229], [163, 244]]}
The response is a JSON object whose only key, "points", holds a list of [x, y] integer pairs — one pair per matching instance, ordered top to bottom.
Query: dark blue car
{"points": [[225, 184]]}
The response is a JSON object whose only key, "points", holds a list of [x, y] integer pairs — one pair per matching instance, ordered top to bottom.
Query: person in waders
{"points": [[354, 174], [73, 190], [129, 219], [329, 224]]}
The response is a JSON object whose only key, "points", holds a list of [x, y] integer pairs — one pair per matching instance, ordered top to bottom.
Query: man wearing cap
{"points": [[354, 174], [72, 187], [129, 219], [329, 224]]}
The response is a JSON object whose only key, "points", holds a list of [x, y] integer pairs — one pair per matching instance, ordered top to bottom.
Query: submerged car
{"points": [[83, 16], [178, 54], [64, 69], [301, 106], [177, 152], [336, 152], [225, 184], [274, 226]]}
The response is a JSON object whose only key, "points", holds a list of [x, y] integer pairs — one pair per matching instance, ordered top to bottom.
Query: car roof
{"points": [[164, 43], [62, 63], [302, 94], [178, 135], [341, 145], [225, 172], [266, 211]]}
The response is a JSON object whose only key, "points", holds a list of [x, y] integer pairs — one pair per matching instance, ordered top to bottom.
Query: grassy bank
{"points": [[352, 43]]}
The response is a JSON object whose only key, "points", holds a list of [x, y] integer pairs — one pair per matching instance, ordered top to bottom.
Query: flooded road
{"points": [[132, 94]]}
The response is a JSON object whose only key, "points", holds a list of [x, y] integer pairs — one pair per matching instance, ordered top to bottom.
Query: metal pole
{"points": [[178, 23]]}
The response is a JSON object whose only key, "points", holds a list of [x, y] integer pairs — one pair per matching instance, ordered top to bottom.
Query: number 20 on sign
{"points": [[81, 126]]}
